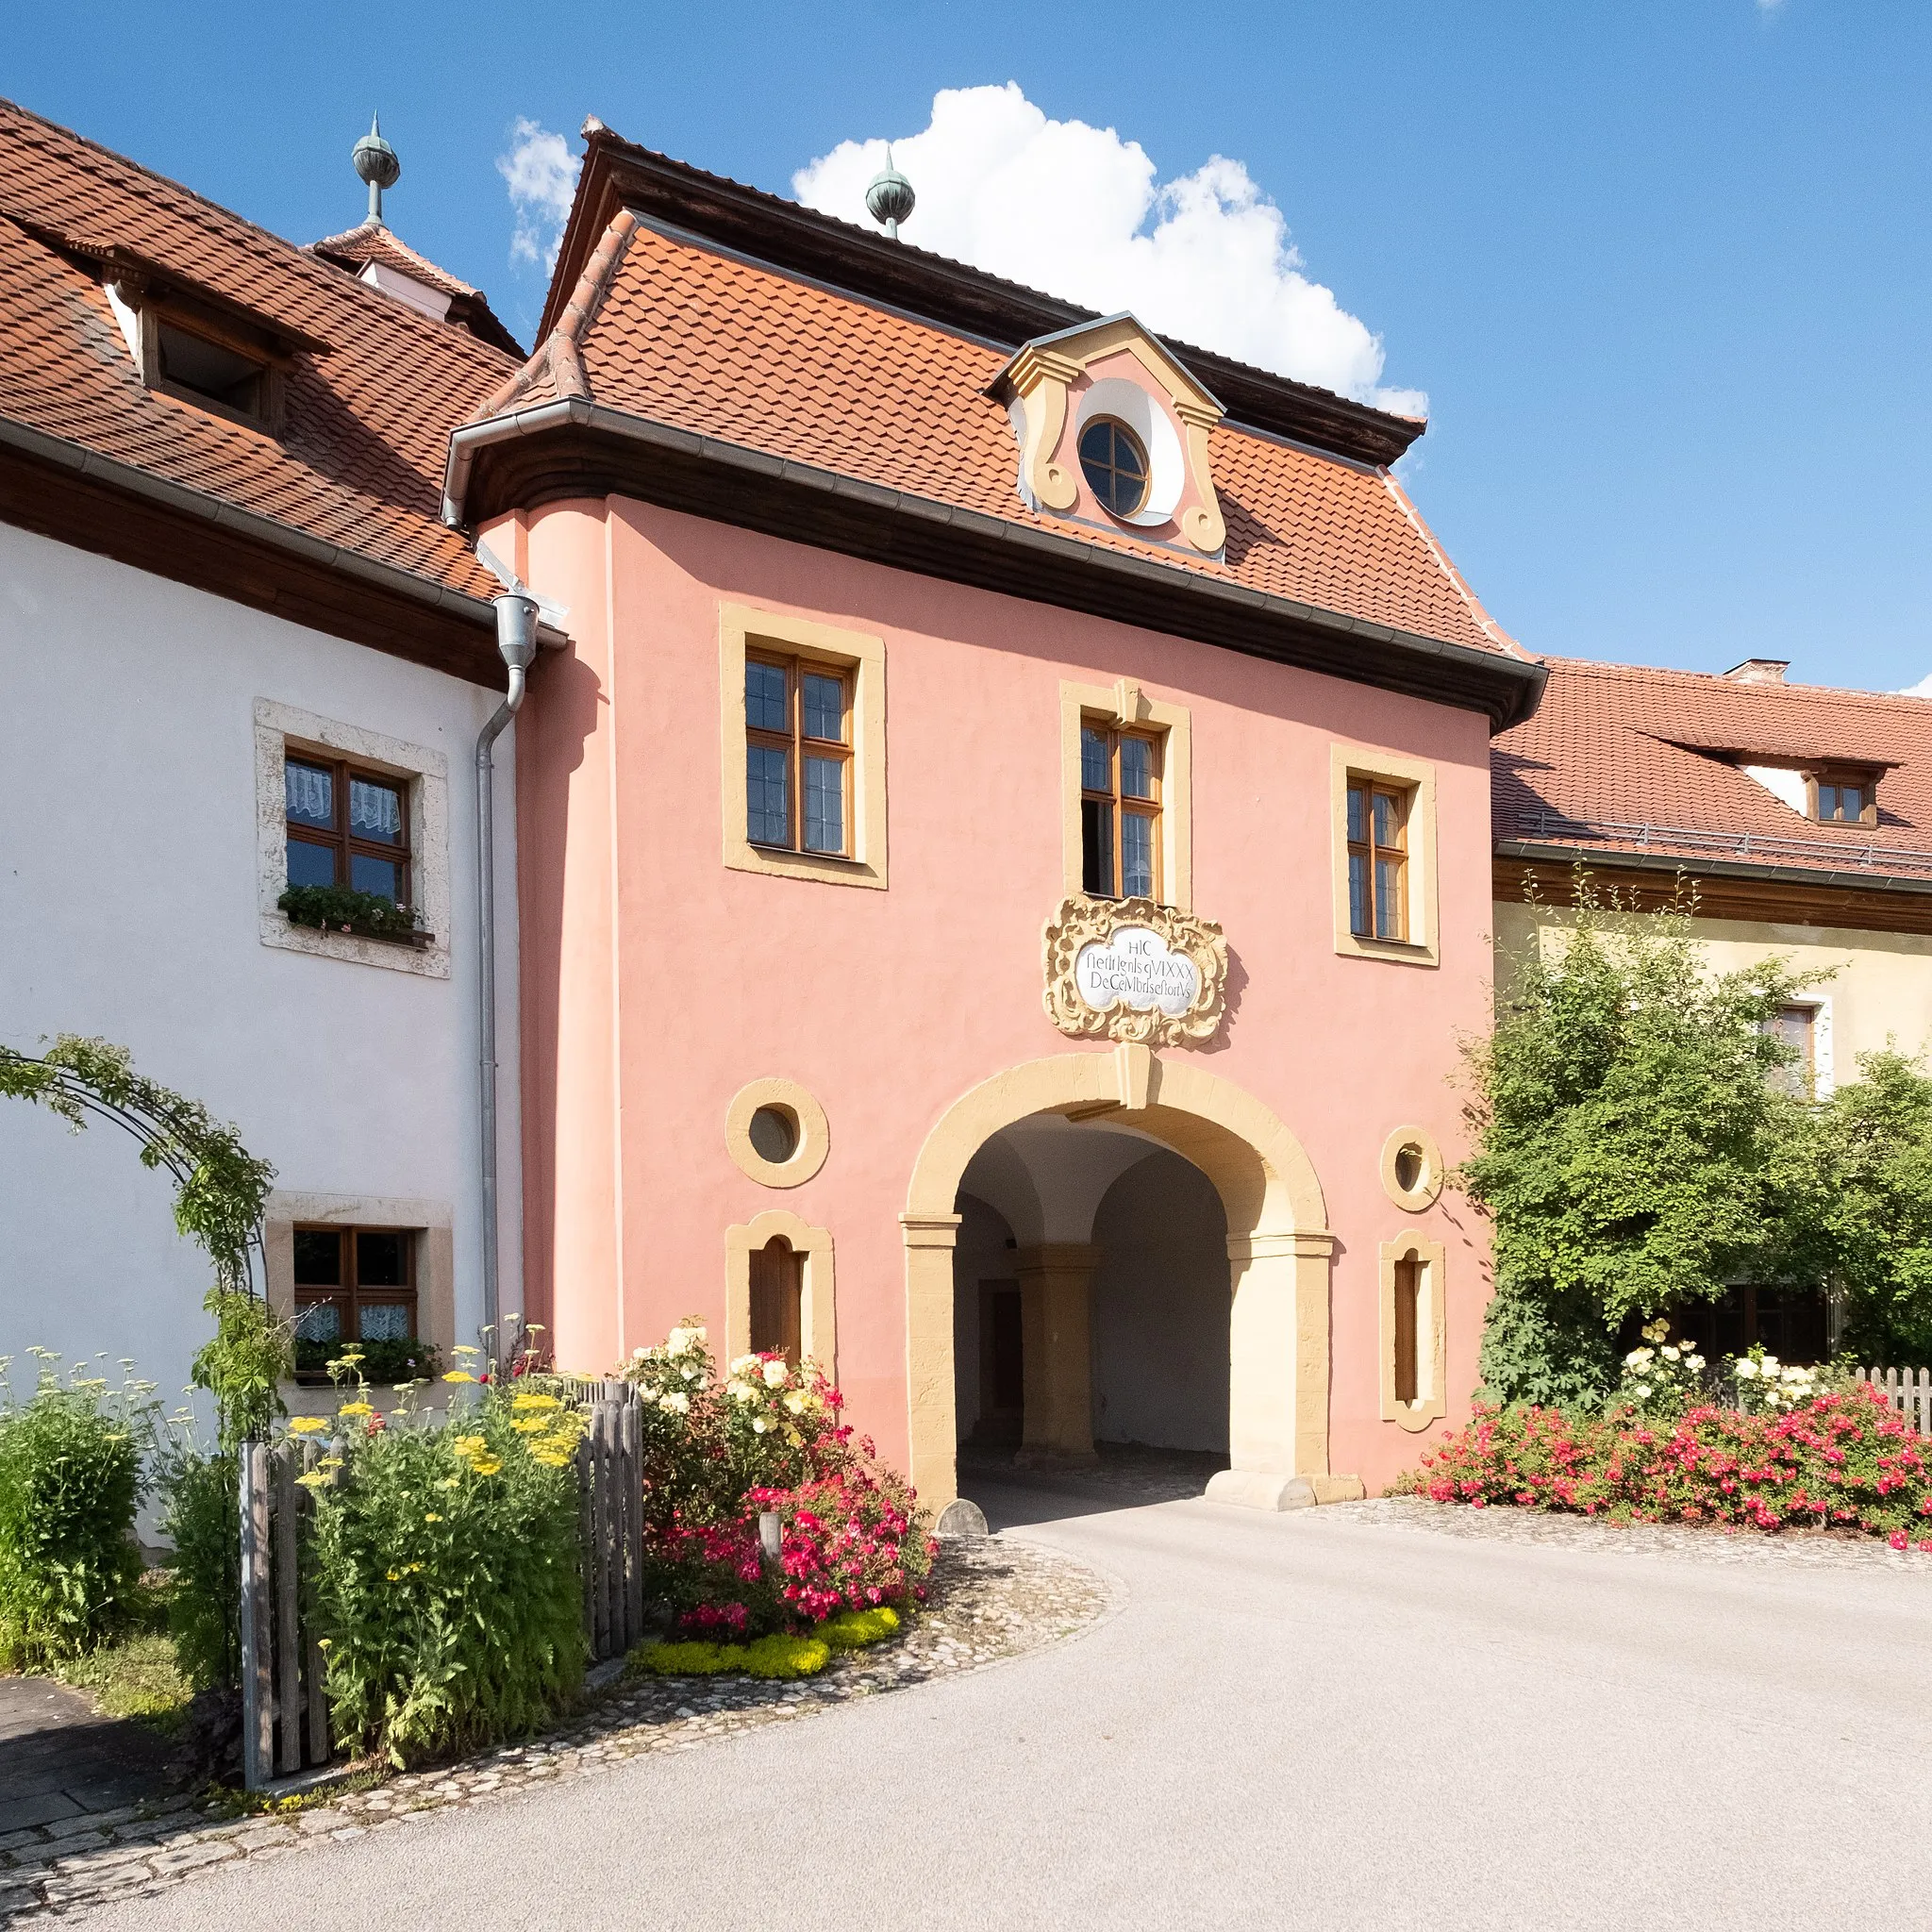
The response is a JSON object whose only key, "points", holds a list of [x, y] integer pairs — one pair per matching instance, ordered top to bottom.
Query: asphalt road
{"points": [[1299, 1721]]}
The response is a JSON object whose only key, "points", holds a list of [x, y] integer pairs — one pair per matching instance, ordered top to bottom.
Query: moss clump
{"points": [[855, 1630], [776, 1657]]}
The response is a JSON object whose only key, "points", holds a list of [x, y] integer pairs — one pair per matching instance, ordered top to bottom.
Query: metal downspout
{"points": [[516, 639]]}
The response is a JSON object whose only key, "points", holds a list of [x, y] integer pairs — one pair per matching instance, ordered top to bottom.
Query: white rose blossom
{"points": [[1746, 1369], [775, 1373]]}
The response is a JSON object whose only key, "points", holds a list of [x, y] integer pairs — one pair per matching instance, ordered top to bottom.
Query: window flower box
{"points": [[340, 909]]}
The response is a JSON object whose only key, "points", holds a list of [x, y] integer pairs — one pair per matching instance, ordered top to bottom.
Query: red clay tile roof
{"points": [[355, 248], [666, 328], [359, 461], [1620, 758]]}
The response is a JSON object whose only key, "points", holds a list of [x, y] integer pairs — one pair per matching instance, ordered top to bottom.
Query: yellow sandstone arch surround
{"points": [[1278, 1248]]}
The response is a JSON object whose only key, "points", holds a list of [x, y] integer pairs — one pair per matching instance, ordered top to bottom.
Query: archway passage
{"points": [[1275, 1241], [1090, 1300]]}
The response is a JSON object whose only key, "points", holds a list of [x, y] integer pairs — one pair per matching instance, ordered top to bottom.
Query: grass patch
{"points": [[138, 1678]]}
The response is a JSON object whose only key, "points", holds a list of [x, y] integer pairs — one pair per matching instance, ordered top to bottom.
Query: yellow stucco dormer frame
{"points": [[1040, 387]]}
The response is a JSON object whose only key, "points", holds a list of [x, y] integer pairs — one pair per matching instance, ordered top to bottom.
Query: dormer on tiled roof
{"points": [[374, 253], [1114, 432]]}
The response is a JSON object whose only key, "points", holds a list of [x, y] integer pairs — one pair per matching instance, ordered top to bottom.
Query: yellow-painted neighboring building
{"points": [[1803, 815]]}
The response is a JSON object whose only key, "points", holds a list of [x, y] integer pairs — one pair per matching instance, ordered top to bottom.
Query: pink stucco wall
{"points": [[657, 982]]}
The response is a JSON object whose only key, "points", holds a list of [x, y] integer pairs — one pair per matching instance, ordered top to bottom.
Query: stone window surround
{"points": [[863, 658], [1124, 706], [281, 729], [1418, 776], [814, 1133], [1426, 1189], [432, 1222], [818, 1329], [1431, 1403]]}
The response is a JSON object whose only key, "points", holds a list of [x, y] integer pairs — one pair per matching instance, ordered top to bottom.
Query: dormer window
{"points": [[202, 347], [210, 373], [1112, 430], [1115, 466], [1844, 798]]}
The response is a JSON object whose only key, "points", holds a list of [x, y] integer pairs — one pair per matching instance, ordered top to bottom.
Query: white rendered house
{"points": [[236, 643]]}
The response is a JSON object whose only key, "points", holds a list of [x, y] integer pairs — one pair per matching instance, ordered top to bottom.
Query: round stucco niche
{"points": [[776, 1132], [1411, 1168]]}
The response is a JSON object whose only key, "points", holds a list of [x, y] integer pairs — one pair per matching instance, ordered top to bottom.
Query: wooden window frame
{"points": [[796, 746], [1841, 777], [1120, 807], [340, 838], [1371, 850], [1806, 1071], [776, 1275], [348, 1291], [1417, 1329]]}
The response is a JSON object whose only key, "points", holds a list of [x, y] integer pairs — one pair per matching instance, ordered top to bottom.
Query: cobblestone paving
{"points": [[1799, 1550], [993, 1599]]}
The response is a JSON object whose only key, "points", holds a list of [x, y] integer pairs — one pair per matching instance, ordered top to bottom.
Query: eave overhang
{"points": [[578, 448], [77, 496]]}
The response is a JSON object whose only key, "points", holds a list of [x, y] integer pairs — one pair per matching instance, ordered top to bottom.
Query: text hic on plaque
{"points": [[1128, 968]]}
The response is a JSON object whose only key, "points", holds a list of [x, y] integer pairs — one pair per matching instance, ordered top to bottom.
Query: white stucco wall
{"points": [[128, 889]]}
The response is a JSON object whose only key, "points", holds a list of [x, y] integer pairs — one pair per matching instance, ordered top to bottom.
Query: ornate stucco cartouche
{"points": [[1080, 922]]}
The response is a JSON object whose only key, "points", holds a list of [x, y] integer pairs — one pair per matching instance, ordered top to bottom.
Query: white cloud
{"points": [[541, 175], [1079, 212], [1921, 690]]}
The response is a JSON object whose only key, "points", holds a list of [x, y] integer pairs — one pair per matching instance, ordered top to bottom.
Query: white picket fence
{"points": [[1909, 1391]]}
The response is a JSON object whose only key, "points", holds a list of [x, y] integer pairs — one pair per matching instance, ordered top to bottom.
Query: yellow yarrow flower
{"points": [[459, 1376], [524, 1399], [355, 1409], [308, 1425], [530, 1425], [468, 1445], [550, 1459], [486, 1465], [313, 1480], [432, 1517]]}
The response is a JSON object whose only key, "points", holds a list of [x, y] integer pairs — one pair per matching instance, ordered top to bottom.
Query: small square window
{"points": [[1844, 798], [346, 827], [352, 1284]]}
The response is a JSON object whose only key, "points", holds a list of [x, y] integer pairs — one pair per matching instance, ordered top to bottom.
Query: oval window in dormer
{"points": [[1115, 466]]}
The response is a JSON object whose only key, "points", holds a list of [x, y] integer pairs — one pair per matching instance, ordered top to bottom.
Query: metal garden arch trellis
{"points": [[220, 1192]]}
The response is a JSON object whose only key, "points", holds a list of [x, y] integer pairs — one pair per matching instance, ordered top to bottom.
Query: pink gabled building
{"points": [[1004, 865]]}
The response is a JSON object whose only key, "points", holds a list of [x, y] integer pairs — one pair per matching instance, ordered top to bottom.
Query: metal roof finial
{"points": [[375, 162], [890, 197]]}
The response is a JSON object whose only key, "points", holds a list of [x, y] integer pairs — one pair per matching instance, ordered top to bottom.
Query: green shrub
{"points": [[243, 1365], [70, 1478], [201, 1515], [445, 1561], [778, 1657]]}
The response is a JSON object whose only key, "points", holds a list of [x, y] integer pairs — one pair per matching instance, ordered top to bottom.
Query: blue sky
{"points": [[1663, 268]]}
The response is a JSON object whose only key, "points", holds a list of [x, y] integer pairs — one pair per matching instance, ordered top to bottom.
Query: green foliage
{"points": [[341, 909], [1628, 1141], [220, 1187], [1858, 1213], [388, 1364], [245, 1365], [70, 1478], [201, 1516], [445, 1569], [855, 1630], [778, 1657], [138, 1678]]}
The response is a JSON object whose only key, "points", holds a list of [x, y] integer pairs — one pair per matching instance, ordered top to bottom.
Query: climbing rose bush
{"points": [[766, 1436], [1835, 1461]]}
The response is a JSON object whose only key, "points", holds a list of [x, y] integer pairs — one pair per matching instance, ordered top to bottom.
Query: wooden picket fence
{"points": [[1909, 1391], [612, 1522], [283, 1697], [284, 1703]]}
